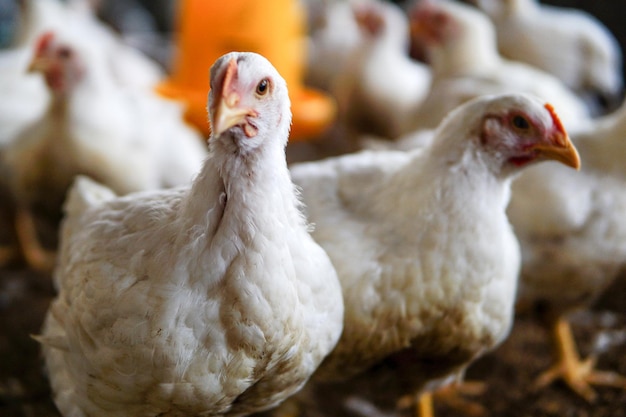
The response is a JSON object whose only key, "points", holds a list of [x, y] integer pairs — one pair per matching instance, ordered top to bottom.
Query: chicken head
{"points": [[58, 62], [244, 99]]}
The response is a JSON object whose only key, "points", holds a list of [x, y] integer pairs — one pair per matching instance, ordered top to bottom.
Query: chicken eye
{"points": [[64, 53], [262, 87], [520, 123]]}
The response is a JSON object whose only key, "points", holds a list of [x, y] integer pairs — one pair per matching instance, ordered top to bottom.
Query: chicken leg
{"points": [[36, 256], [578, 374], [451, 395]]}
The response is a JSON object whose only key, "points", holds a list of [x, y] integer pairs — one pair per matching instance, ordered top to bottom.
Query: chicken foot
{"points": [[36, 256], [578, 374], [452, 396]]}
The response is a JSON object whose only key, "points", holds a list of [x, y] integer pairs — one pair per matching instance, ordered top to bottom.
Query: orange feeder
{"points": [[273, 28]]}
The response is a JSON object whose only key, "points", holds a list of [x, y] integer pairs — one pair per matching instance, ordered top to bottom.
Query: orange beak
{"points": [[38, 64], [228, 112], [560, 149]]}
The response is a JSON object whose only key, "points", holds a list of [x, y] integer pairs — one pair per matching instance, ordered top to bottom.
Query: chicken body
{"points": [[334, 36], [460, 43], [568, 43], [129, 66], [380, 88], [23, 96], [128, 139], [602, 140], [576, 248], [424, 251], [210, 299]]}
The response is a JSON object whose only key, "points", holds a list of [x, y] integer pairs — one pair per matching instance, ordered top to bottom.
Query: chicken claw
{"points": [[36, 256], [577, 373], [451, 395]]}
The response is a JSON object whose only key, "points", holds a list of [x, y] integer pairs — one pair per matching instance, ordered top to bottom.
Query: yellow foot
{"points": [[36, 256], [578, 374], [452, 396]]}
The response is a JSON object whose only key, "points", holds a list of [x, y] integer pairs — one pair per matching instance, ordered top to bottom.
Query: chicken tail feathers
{"points": [[86, 193]]}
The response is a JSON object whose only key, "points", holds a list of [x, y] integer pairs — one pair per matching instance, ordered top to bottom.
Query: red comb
{"points": [[368, 17], [43, 42], [555, 117]]}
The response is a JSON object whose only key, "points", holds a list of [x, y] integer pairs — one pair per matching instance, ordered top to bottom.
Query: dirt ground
{"points": [[508, 372]]}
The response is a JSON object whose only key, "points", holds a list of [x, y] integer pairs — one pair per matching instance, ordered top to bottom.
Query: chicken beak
{"points": [[38, 64], [228, 112], [560, 148]]}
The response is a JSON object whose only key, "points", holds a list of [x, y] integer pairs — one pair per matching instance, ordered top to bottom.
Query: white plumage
{"points": [[76, 20], [333, 37], [460, 43], [568, 43], [380, 87], [23, 96], [129, 139], [603, 142], [573, 237], [425, 254], [210, 299]]}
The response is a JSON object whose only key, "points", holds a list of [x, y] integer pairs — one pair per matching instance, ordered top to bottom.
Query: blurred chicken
{"points": [[76, 20], [334, 35], [568, 43], [461, 47], [381, 87], [23, 96], [127, 139], [603, 141], [576, 248], [424, 251], [205, 300]]}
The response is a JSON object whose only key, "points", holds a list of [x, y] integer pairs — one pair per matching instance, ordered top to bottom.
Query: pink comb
{"points": [[43, 42], [230, 78]]}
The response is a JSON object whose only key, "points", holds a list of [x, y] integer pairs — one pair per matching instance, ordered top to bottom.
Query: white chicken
{"points": [[332, 41], [460, 43], [568, 43], [129, 66], [380, 88], [23, 96], [128, 139], [603, 141], [576, 248], [424, 251], [210, 299]]}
